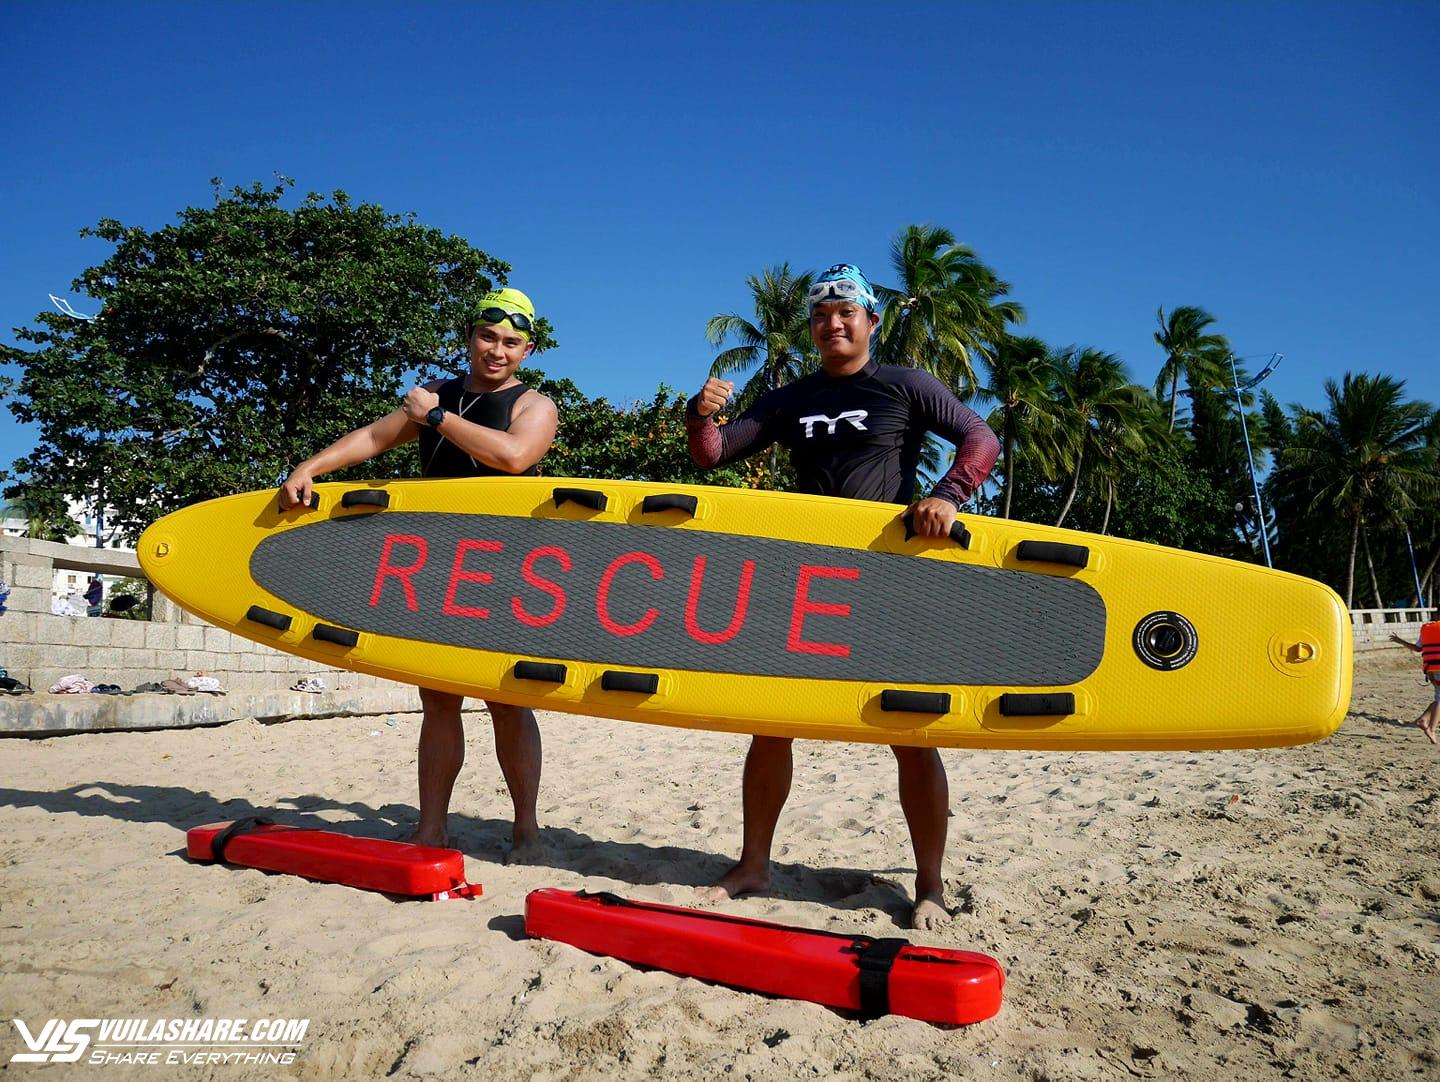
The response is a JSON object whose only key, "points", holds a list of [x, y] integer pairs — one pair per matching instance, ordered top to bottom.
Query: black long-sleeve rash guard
{"points": [[856, 436]]}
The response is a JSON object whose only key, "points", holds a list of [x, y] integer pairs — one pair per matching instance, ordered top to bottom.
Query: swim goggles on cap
{"points": [[840, 289], [519, 320]]}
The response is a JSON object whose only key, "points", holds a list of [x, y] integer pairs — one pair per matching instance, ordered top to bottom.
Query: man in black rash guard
{"points": [[482, 424], [853, 429]]}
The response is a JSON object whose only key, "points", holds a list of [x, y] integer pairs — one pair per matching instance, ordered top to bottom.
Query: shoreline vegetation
{"points": [[216, 341]]}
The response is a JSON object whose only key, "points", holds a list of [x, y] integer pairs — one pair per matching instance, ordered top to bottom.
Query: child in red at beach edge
{"points": [[1428, 647]]}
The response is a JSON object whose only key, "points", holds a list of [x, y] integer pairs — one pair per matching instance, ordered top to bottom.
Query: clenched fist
{"points": [[713, 396]]}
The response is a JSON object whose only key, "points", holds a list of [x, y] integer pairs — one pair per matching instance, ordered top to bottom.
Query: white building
{"points": [[67, 585]]}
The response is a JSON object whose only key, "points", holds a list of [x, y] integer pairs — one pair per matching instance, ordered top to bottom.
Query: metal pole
{"points": [[1250, 462], [1414, 570]]}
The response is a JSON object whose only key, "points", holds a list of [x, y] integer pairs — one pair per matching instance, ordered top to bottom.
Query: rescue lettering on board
{"points": [[403, 556], [684, 598]]}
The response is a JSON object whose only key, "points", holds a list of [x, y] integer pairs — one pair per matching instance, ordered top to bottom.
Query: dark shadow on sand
{"points": [[483, 839]]}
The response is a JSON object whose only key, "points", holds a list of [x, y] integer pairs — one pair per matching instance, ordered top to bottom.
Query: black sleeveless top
{"points": [[441, 458]]}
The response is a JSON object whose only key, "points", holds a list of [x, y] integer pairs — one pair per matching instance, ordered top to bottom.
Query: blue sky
{"points": [[1275, 163]]}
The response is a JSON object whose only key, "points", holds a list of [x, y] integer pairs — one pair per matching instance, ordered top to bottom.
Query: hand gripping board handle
{"points": [[958, 533]]}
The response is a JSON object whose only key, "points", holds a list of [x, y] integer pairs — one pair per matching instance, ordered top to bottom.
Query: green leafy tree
{"points": [[948, 308], [236, 341], [777, 341], [1190, 351], [1019, 372], [1098, 415], [642, 441], [1365, 460], [46, 518], [129, 600]]}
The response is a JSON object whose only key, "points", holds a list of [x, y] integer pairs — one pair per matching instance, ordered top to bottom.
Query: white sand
{"points": [[1248, 914]]}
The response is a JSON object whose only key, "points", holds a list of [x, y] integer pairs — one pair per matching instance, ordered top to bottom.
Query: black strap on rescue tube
{"points": [[365, 497], [585, 497], [669, 501], [958, 533], [1053, 552], [269, 617], [330, 633], [549, 672], [916, 702], [1046, 703], [249, 825], [876, 958]]}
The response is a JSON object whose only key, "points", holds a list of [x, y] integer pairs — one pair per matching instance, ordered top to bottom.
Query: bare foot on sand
{"points": [[1429, 731], [438, 838], [527, 848], [737, 881], [929, 913]]}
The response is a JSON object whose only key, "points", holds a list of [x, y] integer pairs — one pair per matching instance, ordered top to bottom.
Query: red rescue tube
{"points": [[367, 863], [872, 976]]}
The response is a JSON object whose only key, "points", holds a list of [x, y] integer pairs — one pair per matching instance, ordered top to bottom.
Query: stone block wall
{"points": [[39, 648]]}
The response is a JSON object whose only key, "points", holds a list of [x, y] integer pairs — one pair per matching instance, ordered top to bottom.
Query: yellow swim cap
{"points": [[502, 304]]}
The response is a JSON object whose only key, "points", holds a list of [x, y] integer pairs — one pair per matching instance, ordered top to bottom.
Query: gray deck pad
{"points": [[656, 597]]}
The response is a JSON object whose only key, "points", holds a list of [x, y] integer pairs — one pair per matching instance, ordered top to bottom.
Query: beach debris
{"points": [[74, 684], [314, 684]]}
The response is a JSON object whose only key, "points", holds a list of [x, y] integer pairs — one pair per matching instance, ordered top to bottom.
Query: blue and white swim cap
{"points": [[842, 282]]}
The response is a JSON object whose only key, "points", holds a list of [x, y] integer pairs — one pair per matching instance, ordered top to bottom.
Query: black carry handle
{"points": [[366, 497], [585, 497], [669, 501], [309, 505], [958, 533], [1053, 552], [269, 617], [330, 633], [545, 671], [646, 683], [915, 702], [1042, 704]]}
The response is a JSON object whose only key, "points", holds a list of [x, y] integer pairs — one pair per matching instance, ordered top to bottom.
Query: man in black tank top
{"points": [[478, 425], [854, 429]]}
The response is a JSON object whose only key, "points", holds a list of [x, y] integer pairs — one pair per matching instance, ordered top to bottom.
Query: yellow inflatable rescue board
{"points": [[770, 613]]}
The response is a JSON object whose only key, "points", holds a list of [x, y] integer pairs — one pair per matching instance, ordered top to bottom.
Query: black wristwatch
{"points": [[435, 416]]}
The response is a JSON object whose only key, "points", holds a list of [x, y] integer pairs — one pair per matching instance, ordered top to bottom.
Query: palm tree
{"points": [[948, 308], [778, 339], [1189, 351], [1020, 372], [1098, 415], [1366, 455]]}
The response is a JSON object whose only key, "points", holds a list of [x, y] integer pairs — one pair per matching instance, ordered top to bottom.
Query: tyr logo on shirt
{"points": [[855, 417]]}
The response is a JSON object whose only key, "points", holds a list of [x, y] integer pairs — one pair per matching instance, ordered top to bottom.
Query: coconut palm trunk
{"points": [[1074, 486], [1350, 566]]}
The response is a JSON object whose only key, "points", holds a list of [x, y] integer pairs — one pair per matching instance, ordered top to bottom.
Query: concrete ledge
{"points": [[43, 714]]}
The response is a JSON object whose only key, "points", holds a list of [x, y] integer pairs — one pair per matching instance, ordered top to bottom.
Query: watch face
{"points": [[435, 416]]}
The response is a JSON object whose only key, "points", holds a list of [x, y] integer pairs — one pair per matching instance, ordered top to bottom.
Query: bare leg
{"points": [[1427, 721], [517, 749], [442, 754], [769, 766], [925, 799]]}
